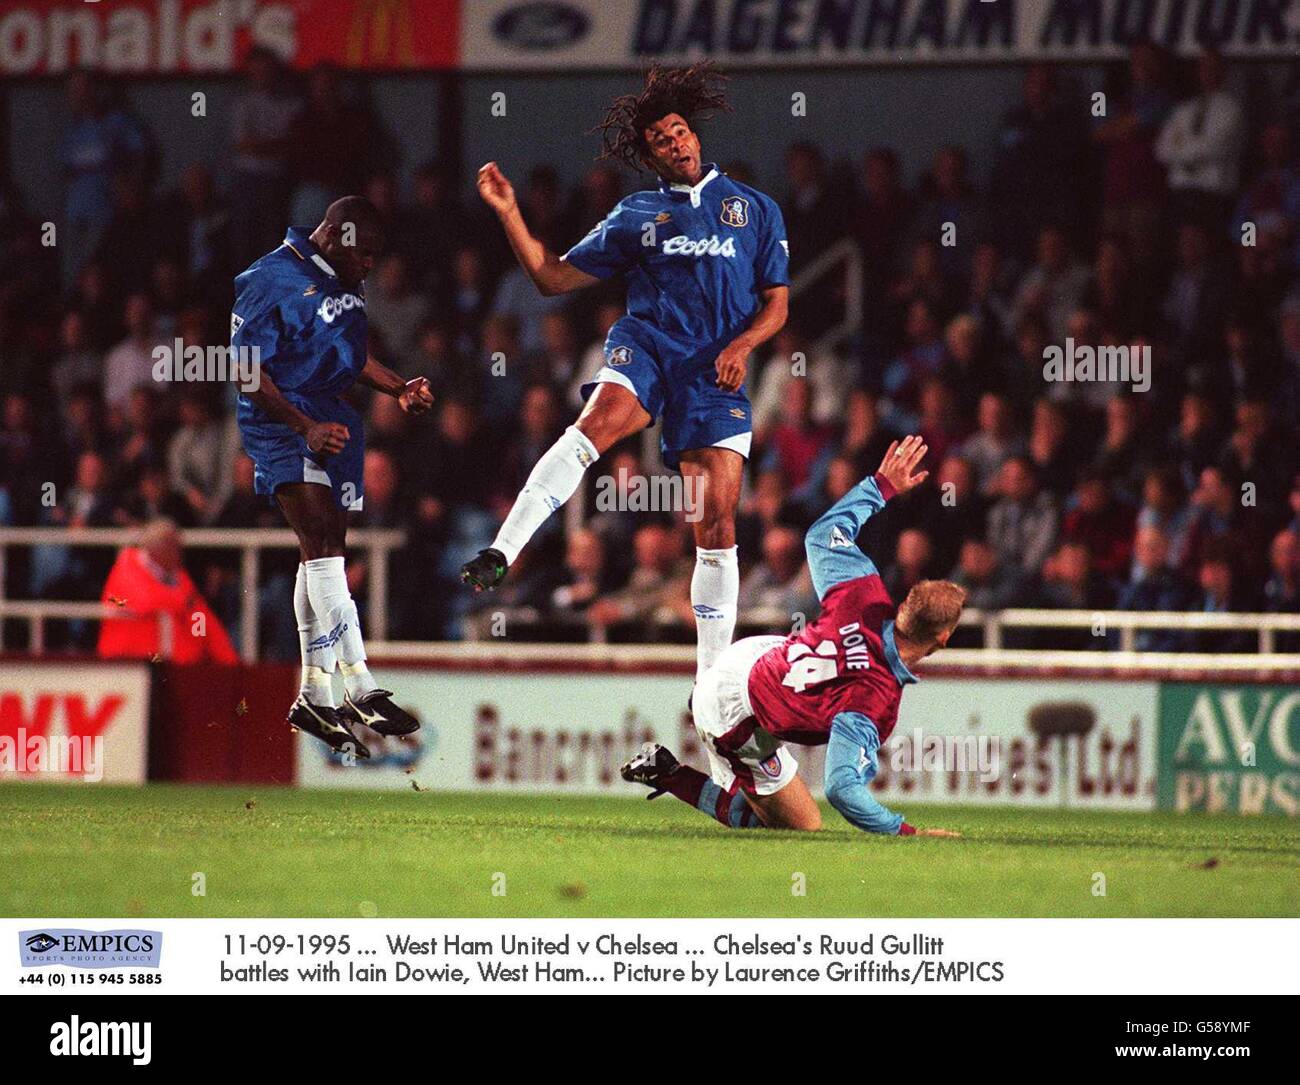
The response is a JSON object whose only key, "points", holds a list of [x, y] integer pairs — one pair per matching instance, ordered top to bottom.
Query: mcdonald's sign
{"points": [[381, 35], [160, 37]]}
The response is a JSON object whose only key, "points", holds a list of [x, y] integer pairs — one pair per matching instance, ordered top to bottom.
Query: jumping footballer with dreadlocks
{"points": [[705, 259]]}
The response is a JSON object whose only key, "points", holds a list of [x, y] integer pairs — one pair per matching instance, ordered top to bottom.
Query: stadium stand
{"points": [[1083, 495]]}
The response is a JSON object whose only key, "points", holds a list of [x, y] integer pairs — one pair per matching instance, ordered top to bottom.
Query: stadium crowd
{"points": [[1171, 223]]}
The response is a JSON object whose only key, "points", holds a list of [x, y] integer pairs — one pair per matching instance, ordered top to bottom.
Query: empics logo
{"points": [[90, 949], [132, 1039]]}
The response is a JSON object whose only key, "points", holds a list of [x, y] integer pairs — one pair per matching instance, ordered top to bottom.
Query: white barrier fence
{"points": [[378, 543], [37, 613]]}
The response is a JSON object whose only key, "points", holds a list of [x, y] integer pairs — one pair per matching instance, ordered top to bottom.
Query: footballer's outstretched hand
{"points": [[497, 192], [418, 396], [901, 461], [948, 833]]}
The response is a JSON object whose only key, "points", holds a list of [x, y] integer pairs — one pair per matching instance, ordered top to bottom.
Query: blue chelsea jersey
{"points": [[696, 256], [309, 329]]}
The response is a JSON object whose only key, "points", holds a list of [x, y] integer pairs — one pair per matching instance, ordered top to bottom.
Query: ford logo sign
{"points": [[541, 25]]}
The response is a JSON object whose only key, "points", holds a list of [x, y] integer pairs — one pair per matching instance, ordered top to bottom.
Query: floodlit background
{"points": [[965, 186]]}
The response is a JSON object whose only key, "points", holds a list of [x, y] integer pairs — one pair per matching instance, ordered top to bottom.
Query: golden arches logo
{"points": [[381, 32]]}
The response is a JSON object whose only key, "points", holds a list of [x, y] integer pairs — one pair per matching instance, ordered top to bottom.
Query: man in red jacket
{"points": [[147, 581]]}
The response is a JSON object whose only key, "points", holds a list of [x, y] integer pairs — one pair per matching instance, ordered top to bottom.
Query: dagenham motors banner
{"points": [[44, 37]]}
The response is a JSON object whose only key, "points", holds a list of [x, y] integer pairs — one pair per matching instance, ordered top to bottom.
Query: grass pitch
{"points": [[101, 851]]}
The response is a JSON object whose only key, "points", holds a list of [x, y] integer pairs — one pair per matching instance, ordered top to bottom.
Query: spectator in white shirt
{"points": [[1201, 145], [1054, 287], [396, 311], [129, 365], [830, 377], [995, 442], [201, 456]]}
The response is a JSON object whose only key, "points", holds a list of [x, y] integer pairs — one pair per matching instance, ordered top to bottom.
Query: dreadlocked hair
{"points": [[694, 93]]}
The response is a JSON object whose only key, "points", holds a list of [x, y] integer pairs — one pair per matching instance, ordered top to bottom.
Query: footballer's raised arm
{"points": [[549, 273], [833, 554]]}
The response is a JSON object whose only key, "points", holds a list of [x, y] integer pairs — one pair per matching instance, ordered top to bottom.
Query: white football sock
{"points": [[552, 482], [327, 586], [715, 587], [317, 661]]}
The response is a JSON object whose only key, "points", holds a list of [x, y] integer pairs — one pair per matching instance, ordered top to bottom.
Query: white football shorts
{"points": [[760, 762]]}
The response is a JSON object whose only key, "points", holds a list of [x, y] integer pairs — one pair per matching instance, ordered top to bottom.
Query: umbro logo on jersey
{"points": [[663, 216], [704, 246], [332, 307], [737, 412], [839, 541], [706, 612]]}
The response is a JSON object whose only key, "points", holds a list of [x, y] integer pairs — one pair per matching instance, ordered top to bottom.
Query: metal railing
{"points": [[844, 252], [377, 542], [380, 542], [38, 612], [1129, 622], [993, 624], [500, 656]]}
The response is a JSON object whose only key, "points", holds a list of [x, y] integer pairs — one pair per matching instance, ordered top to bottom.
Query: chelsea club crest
{"points": [[735, 211]]}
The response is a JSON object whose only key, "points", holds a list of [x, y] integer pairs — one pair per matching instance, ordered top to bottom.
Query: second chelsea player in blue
{"points": [[706, 264], [302, 308]]}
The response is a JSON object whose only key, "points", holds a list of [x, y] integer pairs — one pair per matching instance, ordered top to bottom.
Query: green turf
{"points": [[100, 851]]}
